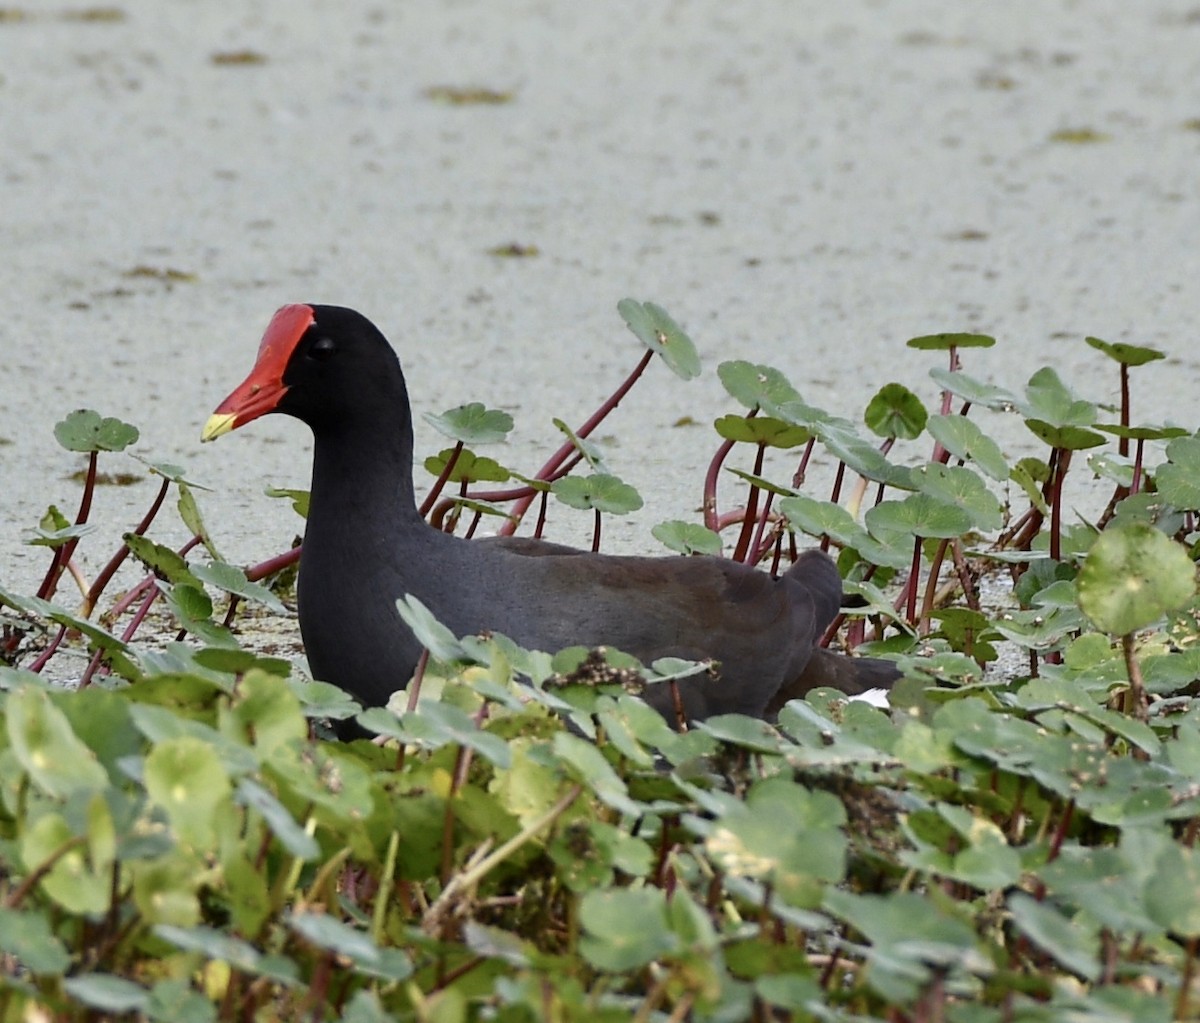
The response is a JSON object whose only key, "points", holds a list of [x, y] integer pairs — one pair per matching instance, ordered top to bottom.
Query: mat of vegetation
{"points": [[178, 841]]}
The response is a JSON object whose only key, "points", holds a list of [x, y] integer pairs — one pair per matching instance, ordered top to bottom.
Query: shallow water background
{"points": [[798, 182]]}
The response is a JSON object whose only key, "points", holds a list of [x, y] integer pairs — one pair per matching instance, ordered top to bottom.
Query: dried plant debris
{"points": [[469, 96]]}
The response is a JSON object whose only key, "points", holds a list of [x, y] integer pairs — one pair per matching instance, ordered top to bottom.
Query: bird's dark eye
{"points": [[322, 349]]}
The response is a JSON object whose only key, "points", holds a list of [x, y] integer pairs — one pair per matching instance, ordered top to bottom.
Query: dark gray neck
{"points": [[362, 478]]}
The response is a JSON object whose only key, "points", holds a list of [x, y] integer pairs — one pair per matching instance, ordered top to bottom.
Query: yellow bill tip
{"points": [[218, 423]]}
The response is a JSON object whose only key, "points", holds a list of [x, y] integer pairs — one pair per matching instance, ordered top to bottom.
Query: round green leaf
{"points": [[662, 335], [944, 342], [1127, 355], [757, 386], [974, 391], [1047, 398], [895, 412], [472, 423], [84, 430], [761, 430], [1142, 432], [1073, 438], [963, 439], [866, 460], [468, 467], [1178, 480], [963, 487], [600, 491], [299, 498], [918, 515], [822, 518], [55, 529], [687, 537], [162, 561], [1132, 576], [233, 580], [41, 737], [186, 778], [294, 838], [798, 861], [71, 882], [1173, 891], [625, 929], [328, 932], [28, 938], [1070, 941], [107, 992]]}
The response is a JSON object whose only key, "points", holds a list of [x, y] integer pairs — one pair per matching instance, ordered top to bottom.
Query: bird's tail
{"points": [[851, 675]]}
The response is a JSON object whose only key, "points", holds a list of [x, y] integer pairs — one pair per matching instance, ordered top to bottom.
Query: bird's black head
{"points": [[326, 365]]}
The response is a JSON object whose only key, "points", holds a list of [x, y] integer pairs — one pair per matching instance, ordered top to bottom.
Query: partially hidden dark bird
{"points": [[366, 546]]}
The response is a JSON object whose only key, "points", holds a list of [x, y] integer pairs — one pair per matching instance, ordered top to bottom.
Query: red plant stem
{"points": [[1123, 442], [561, 454], [1061, 462], [802, 469], [837, 483], [710, 485], [1135, 485], [432, 496], [447, 504], [541, 519], [727, 519], [474, 524], [596, 532], [743, 540], [190, 546], [757, 549], [63, 554], [775, 558], [118, 559], [275, 564], [935, 570], [964, 575], [142, 587], [911, 589], [130, 596], [234, 600], [140, 614], [49, 652], [93, 664], [414, 690], [1060, 832], [1185, 982]]}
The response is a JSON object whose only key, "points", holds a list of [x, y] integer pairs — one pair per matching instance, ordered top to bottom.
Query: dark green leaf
{"points": [[944, 342], [1126, 354], [895, 412], [761, 430]]}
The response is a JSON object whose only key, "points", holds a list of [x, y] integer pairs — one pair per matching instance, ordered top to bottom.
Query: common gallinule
{"points": [[366, 546]]}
